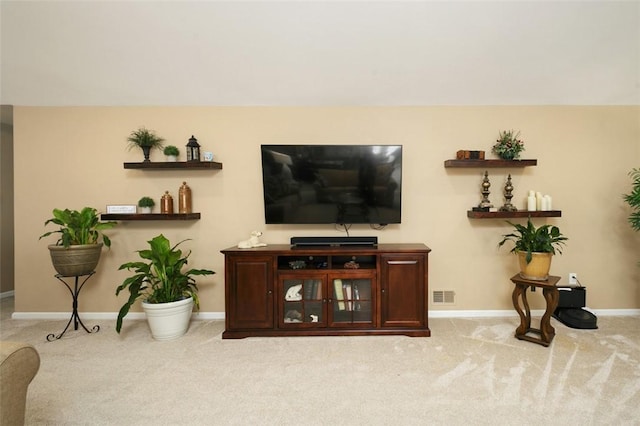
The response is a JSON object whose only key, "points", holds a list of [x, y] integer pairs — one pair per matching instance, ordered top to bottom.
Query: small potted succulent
{"points": [[146, 140], [508, 146], [171, 152], [146, 204]]}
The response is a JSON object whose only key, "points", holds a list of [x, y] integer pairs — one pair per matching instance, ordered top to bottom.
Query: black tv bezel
{"points": [[370, 222]]}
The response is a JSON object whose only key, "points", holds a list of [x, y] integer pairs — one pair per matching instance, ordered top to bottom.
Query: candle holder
{"points": [[193, 149], [508, 189], [485, 203]]}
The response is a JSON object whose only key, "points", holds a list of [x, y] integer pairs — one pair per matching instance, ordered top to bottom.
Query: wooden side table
{"points": [[551, 296]]}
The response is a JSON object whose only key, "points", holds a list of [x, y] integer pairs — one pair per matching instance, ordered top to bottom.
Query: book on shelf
{"points": [[308, 289], [346, 290], [338, 293], [356, 297]]}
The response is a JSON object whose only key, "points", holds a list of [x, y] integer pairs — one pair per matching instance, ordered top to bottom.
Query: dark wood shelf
{"points": [[489, 163], [164, 165], [506, 215], [151, 216]]}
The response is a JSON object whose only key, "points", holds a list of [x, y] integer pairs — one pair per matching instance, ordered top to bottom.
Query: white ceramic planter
{"points": [[172, 158], [145, 210], [168, 321]]}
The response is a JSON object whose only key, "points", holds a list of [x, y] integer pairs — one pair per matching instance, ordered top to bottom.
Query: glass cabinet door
{"points": [[301, 301], [351, 301]]}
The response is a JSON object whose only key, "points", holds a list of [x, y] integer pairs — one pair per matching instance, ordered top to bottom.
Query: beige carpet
{"points": [[471, 371]]}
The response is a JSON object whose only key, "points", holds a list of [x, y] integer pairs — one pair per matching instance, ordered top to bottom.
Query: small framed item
{"points": [[464, 154], [121, 209]]}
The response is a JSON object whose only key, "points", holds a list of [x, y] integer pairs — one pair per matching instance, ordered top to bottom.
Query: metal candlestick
{"points": [[508, 189], [485, 203]]}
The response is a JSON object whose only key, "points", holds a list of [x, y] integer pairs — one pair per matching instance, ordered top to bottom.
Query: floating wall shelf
{"points": [[489, 163], [164, 165], [507, 215], [151, 216]]}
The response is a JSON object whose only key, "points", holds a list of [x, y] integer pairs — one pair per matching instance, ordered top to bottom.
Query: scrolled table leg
{"points": [[519, 292]]}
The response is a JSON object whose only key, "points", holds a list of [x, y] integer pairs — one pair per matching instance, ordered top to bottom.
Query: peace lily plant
{"points": [[80, 240], [534, 244], [159, 278]]}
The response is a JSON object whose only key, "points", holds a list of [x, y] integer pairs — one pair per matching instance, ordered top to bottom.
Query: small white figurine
{"points": [[252, 242], [294, 293], [314, 318]]}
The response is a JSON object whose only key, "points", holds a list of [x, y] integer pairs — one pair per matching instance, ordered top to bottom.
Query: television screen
{"points": [[342, 184]]}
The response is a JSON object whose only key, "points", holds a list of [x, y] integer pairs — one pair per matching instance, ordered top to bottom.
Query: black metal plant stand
{"points": [[74, 315]]}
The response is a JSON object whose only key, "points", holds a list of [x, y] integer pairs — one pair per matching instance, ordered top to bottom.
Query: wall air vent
{"points": [[443, 297]]}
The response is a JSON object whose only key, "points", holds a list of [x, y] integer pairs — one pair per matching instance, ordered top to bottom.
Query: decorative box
{"points": [[464, 154]]}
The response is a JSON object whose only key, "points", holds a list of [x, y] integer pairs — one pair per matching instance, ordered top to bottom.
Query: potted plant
{"points": [[146, 140], [508, 146], [171, 152], [633, 199], [146, 204], [535, 248], [78, 249], [168, 293]]}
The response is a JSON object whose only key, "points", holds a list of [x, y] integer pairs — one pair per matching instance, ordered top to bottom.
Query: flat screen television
{"points": [[339, 184]]}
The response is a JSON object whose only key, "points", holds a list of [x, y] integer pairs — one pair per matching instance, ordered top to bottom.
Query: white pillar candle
{"points": [[538, 200], [531, 203], [543, 204], [549, 205]]}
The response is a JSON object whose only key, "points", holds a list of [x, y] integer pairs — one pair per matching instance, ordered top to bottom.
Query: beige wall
{"points": [[72, 157]]}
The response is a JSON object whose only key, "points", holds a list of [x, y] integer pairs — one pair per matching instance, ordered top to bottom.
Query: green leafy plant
{"points": [[144, 138], [508, 146], [171, 150], [633, 199], [146, 202], [79, 227], [544, 239], [161, 279]]}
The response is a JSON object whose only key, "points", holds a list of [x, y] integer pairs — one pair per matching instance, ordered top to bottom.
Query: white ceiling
{"points": [[319, 52]]}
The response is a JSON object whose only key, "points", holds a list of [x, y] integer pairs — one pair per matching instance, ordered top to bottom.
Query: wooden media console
{"points": [[280, 290]]}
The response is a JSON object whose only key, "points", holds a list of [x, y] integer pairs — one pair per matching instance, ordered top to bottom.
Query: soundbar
{"points": [[334, 241]]}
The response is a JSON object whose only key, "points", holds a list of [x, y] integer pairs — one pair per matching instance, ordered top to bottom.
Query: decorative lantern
{"points": [[193, 149]]}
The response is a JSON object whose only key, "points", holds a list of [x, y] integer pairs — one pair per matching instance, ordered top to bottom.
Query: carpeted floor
{"points": [[471, 371]]}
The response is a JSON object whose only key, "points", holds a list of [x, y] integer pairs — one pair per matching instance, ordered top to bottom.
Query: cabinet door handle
{"points": [[402, 262], [269, 291]]}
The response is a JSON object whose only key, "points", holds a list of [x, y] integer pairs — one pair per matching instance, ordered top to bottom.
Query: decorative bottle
{"points": [[184, 198], [166, 203]]}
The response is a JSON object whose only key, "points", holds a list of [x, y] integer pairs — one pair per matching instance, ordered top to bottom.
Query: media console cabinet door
{"points": [[249, 285], [403, 290], [352, 299], [302, 300]]}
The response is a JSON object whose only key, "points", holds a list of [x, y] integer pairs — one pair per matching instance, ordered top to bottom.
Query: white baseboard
{"points": [[615, 312], [513, 313], [474, 314], [103, 315], [221, 316]]}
